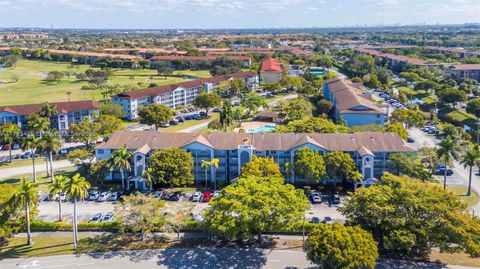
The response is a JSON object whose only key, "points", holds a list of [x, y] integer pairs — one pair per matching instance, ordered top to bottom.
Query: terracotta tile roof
{"points": [[199, 58], [401, 58], [271, 65], [465, 67], [154, 91], [349, 99], [61, 107], [268, 114], [364, 141]]}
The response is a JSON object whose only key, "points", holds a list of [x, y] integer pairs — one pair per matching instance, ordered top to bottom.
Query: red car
{"points": [[6, 147], [207, 195]]}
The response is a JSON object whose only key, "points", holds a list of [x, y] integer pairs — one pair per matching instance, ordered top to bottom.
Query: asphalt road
{"points": [[14, 171], [460, 174], [192, 258]]}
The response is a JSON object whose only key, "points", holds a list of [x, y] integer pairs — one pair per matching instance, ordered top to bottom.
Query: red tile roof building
{"points": [[270, 71]]}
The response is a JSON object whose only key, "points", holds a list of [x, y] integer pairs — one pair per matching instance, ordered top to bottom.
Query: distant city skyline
{"points": [[175, 14]]}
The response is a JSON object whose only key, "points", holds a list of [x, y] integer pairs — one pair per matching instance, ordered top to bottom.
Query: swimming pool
{"points": [[317, 73], [262, 129]]}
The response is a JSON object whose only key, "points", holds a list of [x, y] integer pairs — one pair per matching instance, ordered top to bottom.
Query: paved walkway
{"points": [[21, 170]]}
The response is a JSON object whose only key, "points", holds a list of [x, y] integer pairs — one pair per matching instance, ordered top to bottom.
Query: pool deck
{"points": [[248, 125]]}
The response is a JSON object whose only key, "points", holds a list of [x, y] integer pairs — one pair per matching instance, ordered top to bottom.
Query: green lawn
{"points": [[32, 88], [190, 123], [461, 191]]}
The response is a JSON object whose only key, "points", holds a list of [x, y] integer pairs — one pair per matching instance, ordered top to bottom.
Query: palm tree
{"points": [[68, 94], [47, 110], [226, 115], [38, 124], [9, 133], [51, 142], [31, 143], [449, 150], [471, 159], [121, 160], [214, 163], [206, 165], [289, 168], [148, 175], [57, 188], [77, 189], [26, 196]]}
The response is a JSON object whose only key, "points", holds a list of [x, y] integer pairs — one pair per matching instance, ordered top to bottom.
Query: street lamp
{"points": [[303, 230]]}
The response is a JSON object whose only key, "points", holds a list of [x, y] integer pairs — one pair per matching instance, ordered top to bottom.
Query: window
{"points": [[100, 151]]}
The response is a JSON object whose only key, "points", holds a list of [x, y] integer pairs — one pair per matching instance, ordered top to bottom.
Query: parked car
{"points": [[216, 109], [195, 116], [188, 117], [180, 119], [173, 122], [410, 140], [15, 146], [6, 147], [441, 171], [157, 194], [216, 194], [93, 196], [104, 196], [115, 196], [175, 196], [197, 196], [206, 196], [62, 197], [315, 197], [336, 199], [108, 217], [96, 218], [315, 220], [327, 220]]}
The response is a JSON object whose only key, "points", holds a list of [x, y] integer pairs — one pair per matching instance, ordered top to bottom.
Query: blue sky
{"points": [[159, 14]]}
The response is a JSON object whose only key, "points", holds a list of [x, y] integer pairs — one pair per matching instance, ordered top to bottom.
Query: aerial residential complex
{"points": [[247, 61], [270, 71], [471, 71], [177, 94], [351, 104], [68, 113], [370, 150]]}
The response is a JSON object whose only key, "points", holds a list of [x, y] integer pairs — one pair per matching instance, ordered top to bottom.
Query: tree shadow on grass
{"points": [[17, 251]]}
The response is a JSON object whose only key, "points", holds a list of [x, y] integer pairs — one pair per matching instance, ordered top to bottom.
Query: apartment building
{"points": [[270, 71], [460, 71], [177, 94], [351, 105], [68, 113], [369, 150]]}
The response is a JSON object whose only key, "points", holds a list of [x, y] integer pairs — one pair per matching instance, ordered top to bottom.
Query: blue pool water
{"points": [[317, 73], [262, 129]]}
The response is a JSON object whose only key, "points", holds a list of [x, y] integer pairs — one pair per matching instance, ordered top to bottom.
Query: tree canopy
{"points": [[207, 101], [155, 114], [407, 117], [312, 125], [309, 165], [172, 166], [261, 167], [408, 218], [338, 246]]}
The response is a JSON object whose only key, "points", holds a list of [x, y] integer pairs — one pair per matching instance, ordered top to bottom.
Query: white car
{"points": [[216, 193], [93, 195], [104, 196], [115, 196], [197, 197], [316, 198], [108, 217], [96, 218]]}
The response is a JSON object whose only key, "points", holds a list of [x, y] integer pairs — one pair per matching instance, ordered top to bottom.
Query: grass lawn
{"points": [[32, 88], [18, 163], [461, 191], [461, 259]]}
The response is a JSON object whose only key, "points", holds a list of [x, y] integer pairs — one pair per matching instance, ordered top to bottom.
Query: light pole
{"points": [[303, 230]]}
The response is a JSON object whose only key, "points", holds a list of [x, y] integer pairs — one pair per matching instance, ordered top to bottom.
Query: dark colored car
{"points": [[410, 140], [175, 196], [315, 220]]}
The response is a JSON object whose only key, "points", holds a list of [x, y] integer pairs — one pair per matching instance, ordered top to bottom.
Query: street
{"points": [[21, 170], [197, 258]]}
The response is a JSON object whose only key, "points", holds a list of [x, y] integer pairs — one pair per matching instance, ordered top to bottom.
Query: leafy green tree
{"points": [[54, 76], [410, 76], [288, 82], [236, 85], [425, 85], [272, 87], [452, 96], [207, 101], [252, 101], [324, 106], [473, 107], [112, 109], [298, 109], [155, 115], [407, 117], [107, 125], [312, 125], [397, 128], [86, 132], [9, 133], [30, 143], [448, 151], [78, 156], [120, 159], [470, 159], [408, 164], [309, 165], [339, 165], [172, 166], [261, 167], [99, 170], [57, 188], [77, 189], [26, 196], [277, 206], [9, 212], [139, 213], [438, 220], [338, 246]]}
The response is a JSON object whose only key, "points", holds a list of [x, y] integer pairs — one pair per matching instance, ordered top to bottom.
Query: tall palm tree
{"points": [[48, 110], [226, 115], [38, 124], [9, 133], [51, 142], [31, 143], [449, 150], [471, 158], [121, 160], [214, 162], [206, 165], [289, 168], [148, 175], [57, 188], [77, 189], [26, 196]]}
